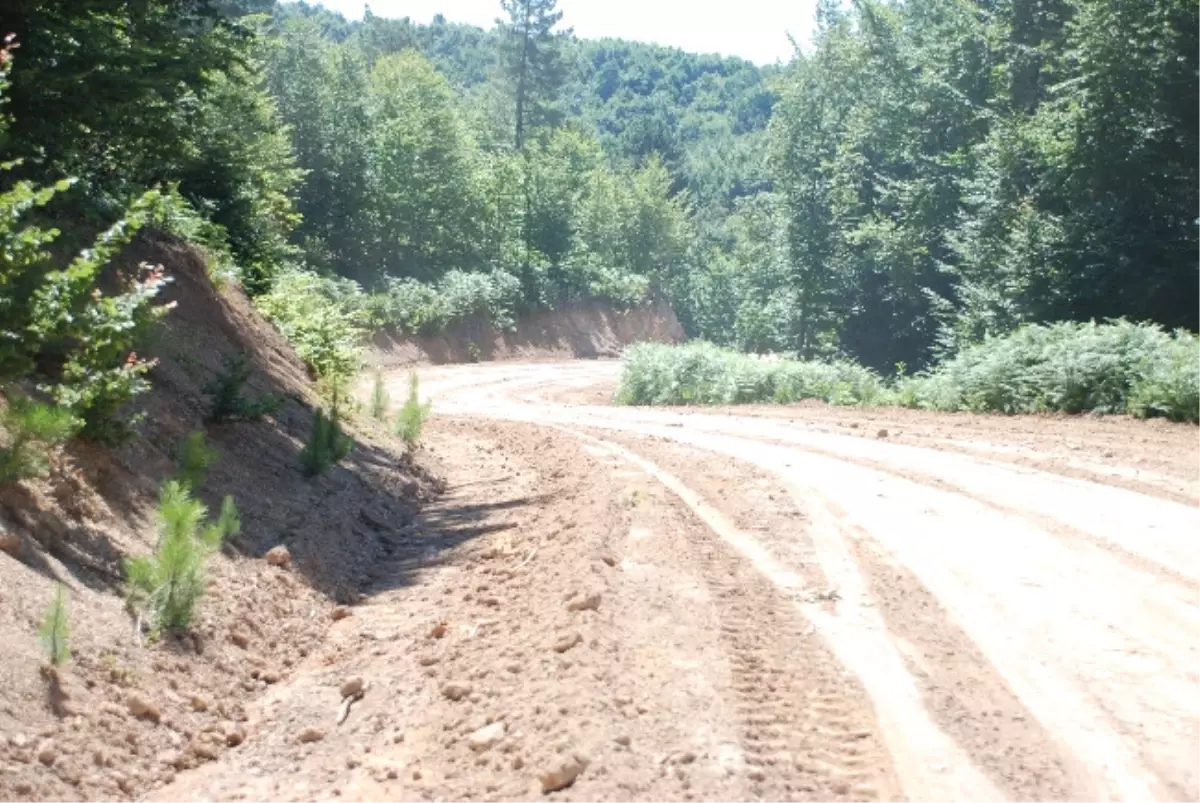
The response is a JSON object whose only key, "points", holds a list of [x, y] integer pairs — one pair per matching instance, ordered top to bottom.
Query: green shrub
{"points": [[177, 216], [412, 307], [51, 315], [324, 319], [1114, 367], [700, 373], [1169, 386], [228, 401], [380, 403], [412, 416], [28, 429], [326, 443], [195, 456], [167, 584], [55, 631]]}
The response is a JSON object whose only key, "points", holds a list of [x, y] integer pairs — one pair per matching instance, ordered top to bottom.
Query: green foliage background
{"points": [[921, 177]]}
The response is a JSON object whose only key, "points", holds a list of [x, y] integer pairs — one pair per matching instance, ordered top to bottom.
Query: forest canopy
{"points": [[922, 175]]}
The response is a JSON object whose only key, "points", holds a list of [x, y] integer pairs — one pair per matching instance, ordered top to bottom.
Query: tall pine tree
{"points": [[532, 62]]}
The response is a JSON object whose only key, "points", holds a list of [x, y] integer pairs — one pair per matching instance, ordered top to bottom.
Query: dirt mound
{"points": [[582, 329], [137, 714]]}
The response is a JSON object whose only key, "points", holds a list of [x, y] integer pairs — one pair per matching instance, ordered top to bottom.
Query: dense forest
{"points": [[920, 176]]}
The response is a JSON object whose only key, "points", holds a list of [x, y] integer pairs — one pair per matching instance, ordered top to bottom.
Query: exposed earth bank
{"points": [[585, 329]]}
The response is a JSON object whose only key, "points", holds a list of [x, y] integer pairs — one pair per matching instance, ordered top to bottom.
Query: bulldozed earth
{"points": [[557, 598]]}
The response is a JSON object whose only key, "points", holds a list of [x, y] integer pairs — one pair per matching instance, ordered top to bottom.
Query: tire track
{"points": [[1097, 643], [967, 698], [806, 732], [927, 763]]}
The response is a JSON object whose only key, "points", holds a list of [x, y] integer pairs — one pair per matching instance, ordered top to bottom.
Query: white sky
{"points": [[753, 29]]}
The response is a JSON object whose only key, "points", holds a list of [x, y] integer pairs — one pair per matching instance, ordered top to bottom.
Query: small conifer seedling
{"points": [[55, 630]]}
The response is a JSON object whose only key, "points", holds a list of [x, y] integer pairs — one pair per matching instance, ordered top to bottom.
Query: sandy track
{"points": [[1080, 595], [793, 606]]}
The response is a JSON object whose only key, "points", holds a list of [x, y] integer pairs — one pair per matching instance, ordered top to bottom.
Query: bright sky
{"points": [[753, 29]]}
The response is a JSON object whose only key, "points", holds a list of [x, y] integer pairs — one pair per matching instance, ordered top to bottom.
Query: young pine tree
{"points": [[380, 402], [412, 416], [27, 430], [327, 443], [195, 457], [168, 583], [55, 630]]}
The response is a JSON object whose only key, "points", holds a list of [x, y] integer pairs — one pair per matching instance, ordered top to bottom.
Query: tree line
{"points": [[944, 171], [921, 175]]}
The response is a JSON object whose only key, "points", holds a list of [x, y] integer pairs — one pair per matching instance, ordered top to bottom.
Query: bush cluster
{"points": [[327, 318], [1113, 367], [701, 373]]}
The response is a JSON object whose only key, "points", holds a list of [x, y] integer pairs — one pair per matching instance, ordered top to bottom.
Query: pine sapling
{"points": [[228, 400], [380, 403], [412, 416], [27, 430], [326, 443], [339, 444], [195, 456], [167, 584], [55, 630]]}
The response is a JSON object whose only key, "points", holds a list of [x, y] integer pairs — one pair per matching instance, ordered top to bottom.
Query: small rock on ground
{"points": [[9, 542], [279, 556], [585, 602], [566, 641], [352, 687], [456, 690], [139, 706], [310, 734], [486, 737], [562, 773]]}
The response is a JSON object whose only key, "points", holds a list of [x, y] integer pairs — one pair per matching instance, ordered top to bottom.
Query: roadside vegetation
{"points": [[354, 176], [1116, 367], [701, 373], [410, 421], [165, 586]]}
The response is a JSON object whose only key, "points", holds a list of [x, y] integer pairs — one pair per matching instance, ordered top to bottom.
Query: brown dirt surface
{"points": [[737, 604], [961, 607], [256, 622]]}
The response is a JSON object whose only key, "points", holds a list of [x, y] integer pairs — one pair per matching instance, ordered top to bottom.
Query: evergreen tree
{"points": [[532, 62]]}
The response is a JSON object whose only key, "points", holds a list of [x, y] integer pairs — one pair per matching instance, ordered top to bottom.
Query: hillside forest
{"points": [[921, 176]]}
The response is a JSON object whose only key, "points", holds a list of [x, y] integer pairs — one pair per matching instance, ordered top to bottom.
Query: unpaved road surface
{"points": [[758, 603]]}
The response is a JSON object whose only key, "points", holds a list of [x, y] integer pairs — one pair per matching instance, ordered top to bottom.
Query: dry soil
{"points": [[754, 603]]}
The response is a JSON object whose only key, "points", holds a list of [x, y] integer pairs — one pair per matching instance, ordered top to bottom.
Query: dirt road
{"points": [[796, 603]]}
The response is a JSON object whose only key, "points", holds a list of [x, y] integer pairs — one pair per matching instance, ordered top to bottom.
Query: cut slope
{"points": [[579, 329], [97, 508]]}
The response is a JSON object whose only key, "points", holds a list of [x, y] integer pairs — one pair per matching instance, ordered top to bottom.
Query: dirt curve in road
{"points": [[1019, 633]]}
